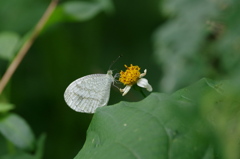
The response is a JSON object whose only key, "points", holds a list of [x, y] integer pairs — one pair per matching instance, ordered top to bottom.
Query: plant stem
{"points": [[26, 46], [143, 93]]}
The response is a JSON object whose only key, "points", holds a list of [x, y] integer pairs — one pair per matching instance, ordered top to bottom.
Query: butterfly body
{"points": [[88, 93]]}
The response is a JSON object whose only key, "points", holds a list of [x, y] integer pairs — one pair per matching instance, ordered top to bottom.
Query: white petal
{"points": [[143, 74], [143, 82], [125, 90]]}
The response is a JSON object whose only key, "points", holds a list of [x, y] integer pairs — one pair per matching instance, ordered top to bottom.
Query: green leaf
{"points": [[107, 5], [81, 10], [74, 11], [8, 43], [227, 47], [5, 107], [222, 114], [200, 121], [160, 126], [16, 130], [3, 144], [40, 147], [18, 155]]}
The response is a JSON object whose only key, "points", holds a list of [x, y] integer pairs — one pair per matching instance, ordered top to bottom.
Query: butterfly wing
{"points": [[88, 93]]}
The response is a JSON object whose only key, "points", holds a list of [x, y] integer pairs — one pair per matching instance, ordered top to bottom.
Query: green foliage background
{"points": [[178, 42]]}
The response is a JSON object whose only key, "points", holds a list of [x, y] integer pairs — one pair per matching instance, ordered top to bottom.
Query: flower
{"points": [[133, 76]]}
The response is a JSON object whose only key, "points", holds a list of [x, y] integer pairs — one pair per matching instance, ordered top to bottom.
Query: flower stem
{"points": [[142, 93]]}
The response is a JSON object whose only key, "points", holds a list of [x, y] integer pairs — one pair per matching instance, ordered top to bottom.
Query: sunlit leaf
{"points": [[5, 107]]}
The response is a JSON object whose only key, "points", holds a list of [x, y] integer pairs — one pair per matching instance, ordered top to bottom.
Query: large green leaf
{"points": [[222, 114], [158, 127], [16, 130]]}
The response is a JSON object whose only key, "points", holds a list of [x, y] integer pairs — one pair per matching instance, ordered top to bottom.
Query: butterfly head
{"points": [[109, 72]]}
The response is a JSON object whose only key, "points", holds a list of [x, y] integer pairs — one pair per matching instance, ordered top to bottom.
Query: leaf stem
{"points": [[26, 46]]}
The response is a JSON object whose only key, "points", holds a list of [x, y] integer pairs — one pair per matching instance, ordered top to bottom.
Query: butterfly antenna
{"points": [[115, 61]]}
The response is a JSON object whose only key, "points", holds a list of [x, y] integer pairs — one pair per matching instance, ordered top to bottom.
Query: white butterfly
{"points": [[88, 93]]}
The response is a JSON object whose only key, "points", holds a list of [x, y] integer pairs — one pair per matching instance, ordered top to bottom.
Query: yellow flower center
{"points": [[130, 76]]}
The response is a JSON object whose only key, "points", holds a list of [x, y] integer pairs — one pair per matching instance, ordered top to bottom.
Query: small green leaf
{"points": [[107, 5], [81, 10], [74, 11], [8, 43], [5, 107], [16, 130], [40, 147]]}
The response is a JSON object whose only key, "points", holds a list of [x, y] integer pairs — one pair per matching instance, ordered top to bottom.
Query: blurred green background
{"points": [[178, 42], [69, 50]]}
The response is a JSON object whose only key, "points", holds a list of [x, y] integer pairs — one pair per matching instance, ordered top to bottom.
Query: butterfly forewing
{"points": [[88, 93]]}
